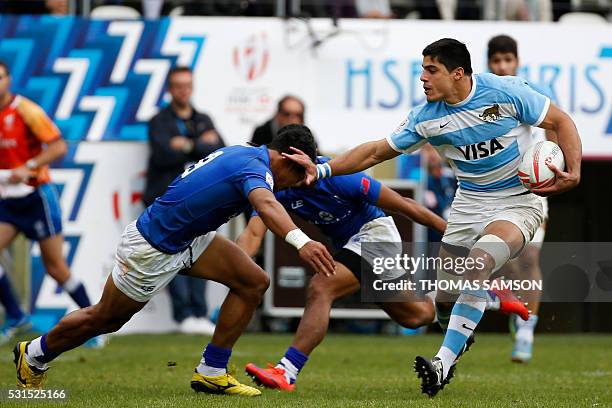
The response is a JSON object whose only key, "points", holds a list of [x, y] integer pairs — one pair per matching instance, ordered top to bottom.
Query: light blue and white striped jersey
{"points": [[482, 136]]}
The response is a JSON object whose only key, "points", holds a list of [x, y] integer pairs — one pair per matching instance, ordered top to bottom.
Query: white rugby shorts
{"points": [[470, 215], [381, 230], [141, 271]]}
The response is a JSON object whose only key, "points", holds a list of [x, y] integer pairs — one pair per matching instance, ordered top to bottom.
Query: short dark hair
{"points": [[502, 43], [450, 53], [6, 68], [179, 69], [286, 98], [298, 136]]}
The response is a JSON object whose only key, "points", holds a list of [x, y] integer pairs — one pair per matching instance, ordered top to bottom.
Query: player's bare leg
{"points": [[224, 262], [525, 267], [321, 294], [109, 315]]}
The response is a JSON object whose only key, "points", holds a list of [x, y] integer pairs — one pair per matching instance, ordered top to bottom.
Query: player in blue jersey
{"points": [[502, 57], [475, 122], [349, 210], [176, 234]]}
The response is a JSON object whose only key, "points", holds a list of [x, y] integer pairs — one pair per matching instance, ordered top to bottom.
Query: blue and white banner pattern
{"points": [[99, 80]]}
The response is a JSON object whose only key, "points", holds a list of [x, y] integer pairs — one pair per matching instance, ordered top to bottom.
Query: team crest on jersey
{"points": [[491, 114], [401, 126], [270, 180]]}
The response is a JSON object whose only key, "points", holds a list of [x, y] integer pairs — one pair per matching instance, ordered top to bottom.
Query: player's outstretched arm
{"points": [[569, 141], [357, 159], [392, 201], [275, 217], [250, 239]]}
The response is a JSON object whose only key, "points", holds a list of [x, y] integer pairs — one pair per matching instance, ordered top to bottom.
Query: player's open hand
{"points": [[303, 160], [564, 181], [318, 257]]}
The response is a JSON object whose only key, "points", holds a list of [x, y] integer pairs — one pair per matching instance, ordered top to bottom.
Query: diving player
{"points": [[475, 122], [349, 210], [176, 234]]}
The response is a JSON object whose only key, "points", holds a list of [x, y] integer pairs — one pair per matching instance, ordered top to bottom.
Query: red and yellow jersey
{"points": [[24, 128]]}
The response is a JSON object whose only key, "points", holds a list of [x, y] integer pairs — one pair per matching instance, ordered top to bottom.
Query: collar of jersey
{"points": [[469, 97]]}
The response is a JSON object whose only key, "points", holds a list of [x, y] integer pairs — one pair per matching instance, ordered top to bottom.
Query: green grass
{"points": [[354, 371]]}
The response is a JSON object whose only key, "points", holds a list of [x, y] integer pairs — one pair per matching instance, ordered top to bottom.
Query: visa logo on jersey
{"points": [[480, 150]]}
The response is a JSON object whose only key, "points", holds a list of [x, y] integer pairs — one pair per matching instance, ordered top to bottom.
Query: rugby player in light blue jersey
{"points": [[475, 122], [349, 210], [176, 234]]}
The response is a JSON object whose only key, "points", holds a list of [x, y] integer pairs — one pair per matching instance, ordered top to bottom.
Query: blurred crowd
{"points": [[515, 10]]}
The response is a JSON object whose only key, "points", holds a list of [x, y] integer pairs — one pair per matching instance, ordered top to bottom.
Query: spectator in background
{"points": [[290, 110], [179, 135]]}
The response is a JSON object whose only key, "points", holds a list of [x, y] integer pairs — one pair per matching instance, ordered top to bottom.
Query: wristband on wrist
{"points": [[323, 171], [297, 238]]}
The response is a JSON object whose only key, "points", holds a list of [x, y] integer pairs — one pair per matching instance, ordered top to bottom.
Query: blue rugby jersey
{"points": [[205, 196], [338, 205]]}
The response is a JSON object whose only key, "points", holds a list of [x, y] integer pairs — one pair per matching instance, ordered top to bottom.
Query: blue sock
{"points": [[79, 295], [7, 298], [466, 315], [216, 356], [297, 358], [293, 361]]}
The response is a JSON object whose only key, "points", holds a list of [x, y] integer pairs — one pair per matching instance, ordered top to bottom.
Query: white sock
{"points": [[71, 284], [493, 302], [525, 329], [34, 350], [448, 358], [209, 371], [291, 372]]}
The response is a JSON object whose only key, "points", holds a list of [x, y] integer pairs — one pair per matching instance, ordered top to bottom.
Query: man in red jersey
{"points": [[28, 201]]}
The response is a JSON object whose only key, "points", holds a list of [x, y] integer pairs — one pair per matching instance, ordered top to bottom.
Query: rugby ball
{"points": [[533, 171]]}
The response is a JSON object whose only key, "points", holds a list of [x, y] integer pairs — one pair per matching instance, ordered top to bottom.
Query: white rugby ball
{"points": [[533, 171]]}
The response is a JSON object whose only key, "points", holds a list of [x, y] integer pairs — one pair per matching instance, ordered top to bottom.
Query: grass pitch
{"points": [[346, 370]]}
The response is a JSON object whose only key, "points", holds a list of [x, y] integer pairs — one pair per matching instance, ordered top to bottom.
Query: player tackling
{"points": [[475, 122], [176, 234]]}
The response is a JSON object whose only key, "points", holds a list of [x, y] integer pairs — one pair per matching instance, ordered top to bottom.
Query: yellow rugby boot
{"points": [[27, 376], [221, 384]]}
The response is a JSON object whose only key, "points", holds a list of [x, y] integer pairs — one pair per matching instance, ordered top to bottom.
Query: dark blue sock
{"points": [[79, 295], [7, 298], [216, 356], [297, 358]]}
